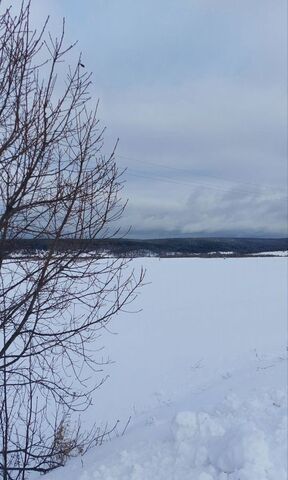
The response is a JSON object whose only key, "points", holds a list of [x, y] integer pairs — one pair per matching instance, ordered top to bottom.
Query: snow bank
{"points": [[243, 437], [242, 440]]}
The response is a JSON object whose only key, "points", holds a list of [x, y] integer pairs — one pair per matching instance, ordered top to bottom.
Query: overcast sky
{"points": [[196, 91]]}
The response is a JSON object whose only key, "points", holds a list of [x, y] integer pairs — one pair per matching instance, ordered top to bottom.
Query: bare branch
{"points": [[55, 184]]}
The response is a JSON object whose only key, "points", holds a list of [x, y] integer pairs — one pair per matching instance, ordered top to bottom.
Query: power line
{"points": [[186, 171], [188, 182]]}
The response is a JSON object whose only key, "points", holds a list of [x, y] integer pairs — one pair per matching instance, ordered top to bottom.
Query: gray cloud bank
{"points": [[211, 212]]}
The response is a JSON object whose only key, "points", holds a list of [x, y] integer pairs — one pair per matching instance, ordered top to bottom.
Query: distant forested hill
{"points": [[182, 247]]}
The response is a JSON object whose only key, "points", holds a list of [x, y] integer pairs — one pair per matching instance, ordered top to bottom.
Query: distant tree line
{"points": [[147, 247]]}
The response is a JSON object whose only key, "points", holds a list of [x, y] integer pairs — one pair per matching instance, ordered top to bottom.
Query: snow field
{"points": [[202, 371]]}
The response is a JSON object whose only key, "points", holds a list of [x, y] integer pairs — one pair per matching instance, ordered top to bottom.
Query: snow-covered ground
{"points": [[276, 253], [201, 371]]}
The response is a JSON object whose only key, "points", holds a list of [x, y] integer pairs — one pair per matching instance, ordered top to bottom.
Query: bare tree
{"points": [[56, 185]]}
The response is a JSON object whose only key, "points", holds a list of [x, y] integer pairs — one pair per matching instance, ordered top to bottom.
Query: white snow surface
{"points": [[276, 253], [201, 370]]}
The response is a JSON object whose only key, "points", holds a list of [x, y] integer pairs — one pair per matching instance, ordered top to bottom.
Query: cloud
{"points": [[196, 91], [216, 126], [229, 211]]}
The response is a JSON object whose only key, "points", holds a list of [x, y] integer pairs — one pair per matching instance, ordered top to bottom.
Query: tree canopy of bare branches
{"points": [[54, 184]]}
